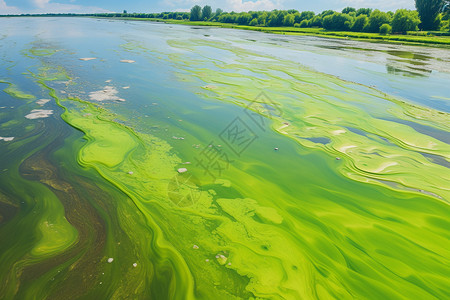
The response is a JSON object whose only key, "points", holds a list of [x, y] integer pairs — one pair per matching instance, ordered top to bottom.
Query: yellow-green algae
{"points": [[14, 91], [316, 105], [328, 243], [325, 250]]}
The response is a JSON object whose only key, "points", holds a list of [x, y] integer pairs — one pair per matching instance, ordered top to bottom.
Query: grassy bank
{"points": [[428, 40]]}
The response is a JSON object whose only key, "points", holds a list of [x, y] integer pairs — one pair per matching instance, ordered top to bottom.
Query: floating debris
{"points": [[88, 58], [129, 61], [108, 81], [125, 87], [108, 93], [39, 113], [339, 131], [177, 138], [7, 139], [276, 149], [338, 158], [186, 163], [182, 170], [130, 173], [195, 247], [221, 259], [110, 260], [207, 260], [135, 265]]}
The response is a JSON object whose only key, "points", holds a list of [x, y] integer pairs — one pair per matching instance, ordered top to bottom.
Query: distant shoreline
{"points": [[412, 40], [430, 41]]}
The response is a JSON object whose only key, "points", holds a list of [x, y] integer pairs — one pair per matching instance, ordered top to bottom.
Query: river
{"points": [[142, 160]]}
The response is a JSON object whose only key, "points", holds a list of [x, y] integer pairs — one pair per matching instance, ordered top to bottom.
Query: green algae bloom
{"points": [[14, 91]]}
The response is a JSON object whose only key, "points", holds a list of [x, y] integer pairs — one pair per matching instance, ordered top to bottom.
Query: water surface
{"points": [[316, 168]]}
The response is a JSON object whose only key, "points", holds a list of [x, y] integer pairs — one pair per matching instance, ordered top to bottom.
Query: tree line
{"points": [[430, 15]]}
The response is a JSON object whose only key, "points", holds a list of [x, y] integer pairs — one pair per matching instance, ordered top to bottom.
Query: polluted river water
{"points": [[152, 161]]}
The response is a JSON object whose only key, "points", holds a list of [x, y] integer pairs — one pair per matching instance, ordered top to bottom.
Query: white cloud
{"points": [[41, 3], [380, 4], [239, 5], [46, 6], [50, 7], [5, 9], [182, 10]]}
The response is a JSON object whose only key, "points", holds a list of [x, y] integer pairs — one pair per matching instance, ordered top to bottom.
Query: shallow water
{"points": [[317, 168]]}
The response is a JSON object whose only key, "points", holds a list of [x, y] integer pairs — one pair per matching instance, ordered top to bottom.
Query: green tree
{"points": [[348, 10], [364, 11], [206, 12], [218, 12], [196, 13], [327, 13], [428, 13], [307, 15], [227, 18], [244, 18], [276, 18], [262, 19], [376, 19], [289, 20], [405, 20], [316, 21], [337, 21], [253, 22], [360, 22], [304, 23], [385, 29]]}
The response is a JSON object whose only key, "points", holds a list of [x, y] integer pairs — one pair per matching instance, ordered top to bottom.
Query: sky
{"points": [[147, 6]]}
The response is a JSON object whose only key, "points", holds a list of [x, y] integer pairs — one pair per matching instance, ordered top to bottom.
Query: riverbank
{"points": [[433, 41]]}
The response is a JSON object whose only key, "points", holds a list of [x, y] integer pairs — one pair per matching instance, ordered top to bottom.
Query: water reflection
{"points": [[399, 71]]}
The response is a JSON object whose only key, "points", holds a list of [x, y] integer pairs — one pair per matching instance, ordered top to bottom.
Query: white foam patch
{"points": [[109, 93], [42, 102], [39, 114], [7, 139]]}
